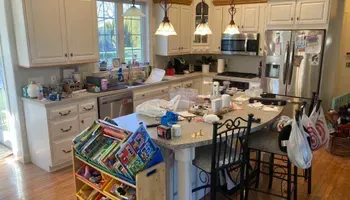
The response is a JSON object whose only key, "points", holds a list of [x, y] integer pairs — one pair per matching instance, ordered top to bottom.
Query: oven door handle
{"points": [[285, 70]]}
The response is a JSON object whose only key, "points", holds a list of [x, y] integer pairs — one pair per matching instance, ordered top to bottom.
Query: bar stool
{"points": [[228, 151]]}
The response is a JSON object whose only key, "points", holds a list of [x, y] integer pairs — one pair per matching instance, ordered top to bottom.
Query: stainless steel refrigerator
{"points": [[293, 63]]}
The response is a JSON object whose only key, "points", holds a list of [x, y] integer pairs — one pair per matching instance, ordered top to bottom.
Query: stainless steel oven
{"points": [[240, 44]]}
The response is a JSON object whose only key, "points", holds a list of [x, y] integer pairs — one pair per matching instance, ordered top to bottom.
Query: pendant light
{"points": [[133, 11], [165, 27], [202, 28], [231, 28]]}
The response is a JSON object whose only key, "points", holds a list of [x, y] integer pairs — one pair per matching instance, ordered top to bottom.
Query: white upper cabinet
{"points": [[280, 12], [312, 12], [299, 14], [174, 16], [179, 16], [237, 17], [246, 17], [250, 18], [216, 27], [81, 29], [185, 29], [48, 32]]}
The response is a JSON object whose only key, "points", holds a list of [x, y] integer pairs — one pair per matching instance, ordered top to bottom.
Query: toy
{"points": [[164, 132], [87, 174]]}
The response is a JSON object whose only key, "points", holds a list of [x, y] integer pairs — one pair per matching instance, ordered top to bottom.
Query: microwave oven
{"points": [[240, 44]]}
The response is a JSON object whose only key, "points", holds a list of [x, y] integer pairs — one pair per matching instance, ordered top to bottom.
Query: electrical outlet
{"points": [[347, 65], [53, 79]]}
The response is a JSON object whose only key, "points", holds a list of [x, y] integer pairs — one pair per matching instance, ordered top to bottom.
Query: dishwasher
{"points": [[115, 105]]}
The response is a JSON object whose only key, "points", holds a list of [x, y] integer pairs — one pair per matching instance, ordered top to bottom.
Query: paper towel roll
{"points": [[221, 65], [226, 99]]}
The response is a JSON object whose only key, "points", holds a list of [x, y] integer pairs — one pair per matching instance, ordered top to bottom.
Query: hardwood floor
{"points": [[331, 180]]}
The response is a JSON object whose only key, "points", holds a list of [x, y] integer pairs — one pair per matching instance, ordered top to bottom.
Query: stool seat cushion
{"points": [[266, 141], [204, 154]]}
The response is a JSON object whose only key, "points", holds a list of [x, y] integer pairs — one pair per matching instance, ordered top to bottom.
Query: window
{"points": [[132, 29], [132, 35]]}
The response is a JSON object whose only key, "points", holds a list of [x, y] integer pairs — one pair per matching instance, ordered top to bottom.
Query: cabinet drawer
{"points": [[187, 84], [176, 86], [151, 93], [87, 106], [56, 113], [86, 120], [64, 129], [62, 151]]}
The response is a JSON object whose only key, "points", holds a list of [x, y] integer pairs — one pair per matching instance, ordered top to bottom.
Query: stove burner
{"points": [[238, 74]]}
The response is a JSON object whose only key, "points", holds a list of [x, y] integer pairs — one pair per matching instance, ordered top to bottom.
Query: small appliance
{"points": [[240, 44], [180, 65]]}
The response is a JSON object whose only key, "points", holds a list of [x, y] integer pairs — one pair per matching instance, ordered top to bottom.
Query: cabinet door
{"points": [[312, 12], [280, 13], [250, 18], [262, 28], [185, 29], [216, 29], [82, 30], [47, 31], [173, 40], [86, 120]]}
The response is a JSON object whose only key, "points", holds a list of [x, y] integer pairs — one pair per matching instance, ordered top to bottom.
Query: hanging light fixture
{"points": [[133, 11], [165, 27], [202, 28], [231, 28]]}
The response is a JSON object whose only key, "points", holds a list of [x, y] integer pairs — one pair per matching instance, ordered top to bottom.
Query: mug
{"points": [[176, 130]]}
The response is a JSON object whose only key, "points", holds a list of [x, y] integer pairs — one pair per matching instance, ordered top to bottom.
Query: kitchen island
{"points": [[184, 146]]}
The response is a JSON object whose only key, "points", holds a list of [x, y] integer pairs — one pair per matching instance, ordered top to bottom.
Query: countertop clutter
{"points": [[168, 80]]}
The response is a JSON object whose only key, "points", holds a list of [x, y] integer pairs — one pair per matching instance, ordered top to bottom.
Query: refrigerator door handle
{"points": [[291, 64], [285, 71]]}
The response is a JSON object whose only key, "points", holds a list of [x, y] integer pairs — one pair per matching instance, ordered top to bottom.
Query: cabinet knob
{"points": [[291, 18], [297, 18], [242, 26], [219, 48], [348, 53], [71, 54], [66, 55], [82, 121]]}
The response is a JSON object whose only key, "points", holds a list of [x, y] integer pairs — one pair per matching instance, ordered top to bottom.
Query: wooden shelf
{"points": [[183, 2], [236, 2], [108, 174], [150, 183]]}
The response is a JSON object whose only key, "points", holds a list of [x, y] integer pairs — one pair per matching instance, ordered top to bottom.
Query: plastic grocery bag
{"points": [[157, 107], [319, 120], [315, 138], [298, 149]]}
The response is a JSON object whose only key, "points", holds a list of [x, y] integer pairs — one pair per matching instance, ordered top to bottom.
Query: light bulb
{"points": [[133, 12], [165, 28], [202, 29], [231, 29]]}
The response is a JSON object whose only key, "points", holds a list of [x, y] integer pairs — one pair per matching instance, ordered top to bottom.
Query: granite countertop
{"points": [[170, 79], [131, 122]]}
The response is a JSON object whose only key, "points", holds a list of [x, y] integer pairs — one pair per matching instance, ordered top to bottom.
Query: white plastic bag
{"points": [[157, 107], [319, 120], [315, 138], [299, 152]]}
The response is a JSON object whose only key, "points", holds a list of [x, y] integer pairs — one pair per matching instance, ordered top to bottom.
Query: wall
{"points": [[331, 54], [247, 64], [342, 74]]}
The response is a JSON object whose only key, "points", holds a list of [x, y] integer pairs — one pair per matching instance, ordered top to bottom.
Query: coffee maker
{"points": [[180, 65]]}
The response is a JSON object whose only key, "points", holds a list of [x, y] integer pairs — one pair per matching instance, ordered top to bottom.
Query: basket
{"points": [[338, 146]]}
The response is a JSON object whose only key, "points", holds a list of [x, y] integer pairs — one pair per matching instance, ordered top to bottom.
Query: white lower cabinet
{"points": [[86, 119], [50, 130], [62, 151]]}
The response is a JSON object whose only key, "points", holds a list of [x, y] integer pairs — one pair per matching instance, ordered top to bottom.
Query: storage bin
{"points": [[104, 179]]}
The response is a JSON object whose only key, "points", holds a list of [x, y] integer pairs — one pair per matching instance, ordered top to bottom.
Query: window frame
{"points": [[145, 46]]}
